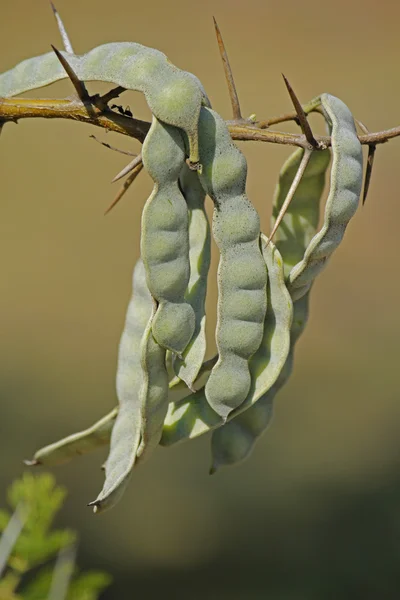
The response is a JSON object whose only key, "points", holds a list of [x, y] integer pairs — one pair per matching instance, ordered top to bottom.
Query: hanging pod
{"points": [[345, 188], [165, 238], [242, 275]]}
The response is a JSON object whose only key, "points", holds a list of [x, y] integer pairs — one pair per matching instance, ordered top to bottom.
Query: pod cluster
{"points": [[167, 392]]}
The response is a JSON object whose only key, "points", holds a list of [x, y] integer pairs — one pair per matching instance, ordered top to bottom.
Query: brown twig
{"points": [[13, 109], [237, 115]]}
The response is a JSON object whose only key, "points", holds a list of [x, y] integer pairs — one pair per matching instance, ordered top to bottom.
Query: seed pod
{"points": [[174, 96], [346, 182], [342, 202], [165, 238], [242, 274], [188, 367], [191, 417], [99, 434], [125, 437], [85, 441], [233, 442]]}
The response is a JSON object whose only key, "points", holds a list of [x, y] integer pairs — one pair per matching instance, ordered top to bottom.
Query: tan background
{"points": [[314, 513]]}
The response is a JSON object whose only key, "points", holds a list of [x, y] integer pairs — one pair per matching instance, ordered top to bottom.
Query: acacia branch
{"points": [[14, 109]]}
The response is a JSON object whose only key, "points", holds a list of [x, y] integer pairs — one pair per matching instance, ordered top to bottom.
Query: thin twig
{"points": [[63, 32], [228, 74], [114, 93], [313, 106], [13, 109], [301, 115], [93, 137], [129, 167], [300, 172], [125, 186]]}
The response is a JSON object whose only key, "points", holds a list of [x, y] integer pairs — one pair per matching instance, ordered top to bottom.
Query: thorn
{"points": [[63, 32], [228, 74], [76, 82], [301, 115], [363, 127], [93, 137], [129, 167], [368, 172], [126, 185], [292, 190], [213, 470]]}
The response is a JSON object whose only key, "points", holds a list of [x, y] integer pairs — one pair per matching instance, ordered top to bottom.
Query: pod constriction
{"points": [[174, 96], [345, 188], [165, 238], [242, 274], [188, 367], [126, 433]]}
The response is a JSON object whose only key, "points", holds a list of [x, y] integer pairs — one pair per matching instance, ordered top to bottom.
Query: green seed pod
{"points": [[174, 96], [342, 202], [292, 237], [165, 238], [242, 274], [188, 367], [265, 368], [153, 393], [191, 416], [126, 433], [99, 434], [85, 441], [233, 442]]}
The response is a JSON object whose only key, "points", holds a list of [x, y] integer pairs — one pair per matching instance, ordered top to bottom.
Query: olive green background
{"points": [[315, 512]]}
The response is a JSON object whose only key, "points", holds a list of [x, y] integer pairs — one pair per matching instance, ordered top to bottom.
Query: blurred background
{"points": [[315, 512]]}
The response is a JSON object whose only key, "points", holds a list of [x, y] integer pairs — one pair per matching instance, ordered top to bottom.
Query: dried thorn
{"points": [[63, 32], [228, 74], [76, 82], [114, 93], [301, 115], [363, 127], [93, 137], [129, 167], [300, 172], [368, 172], [126, 185]]}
